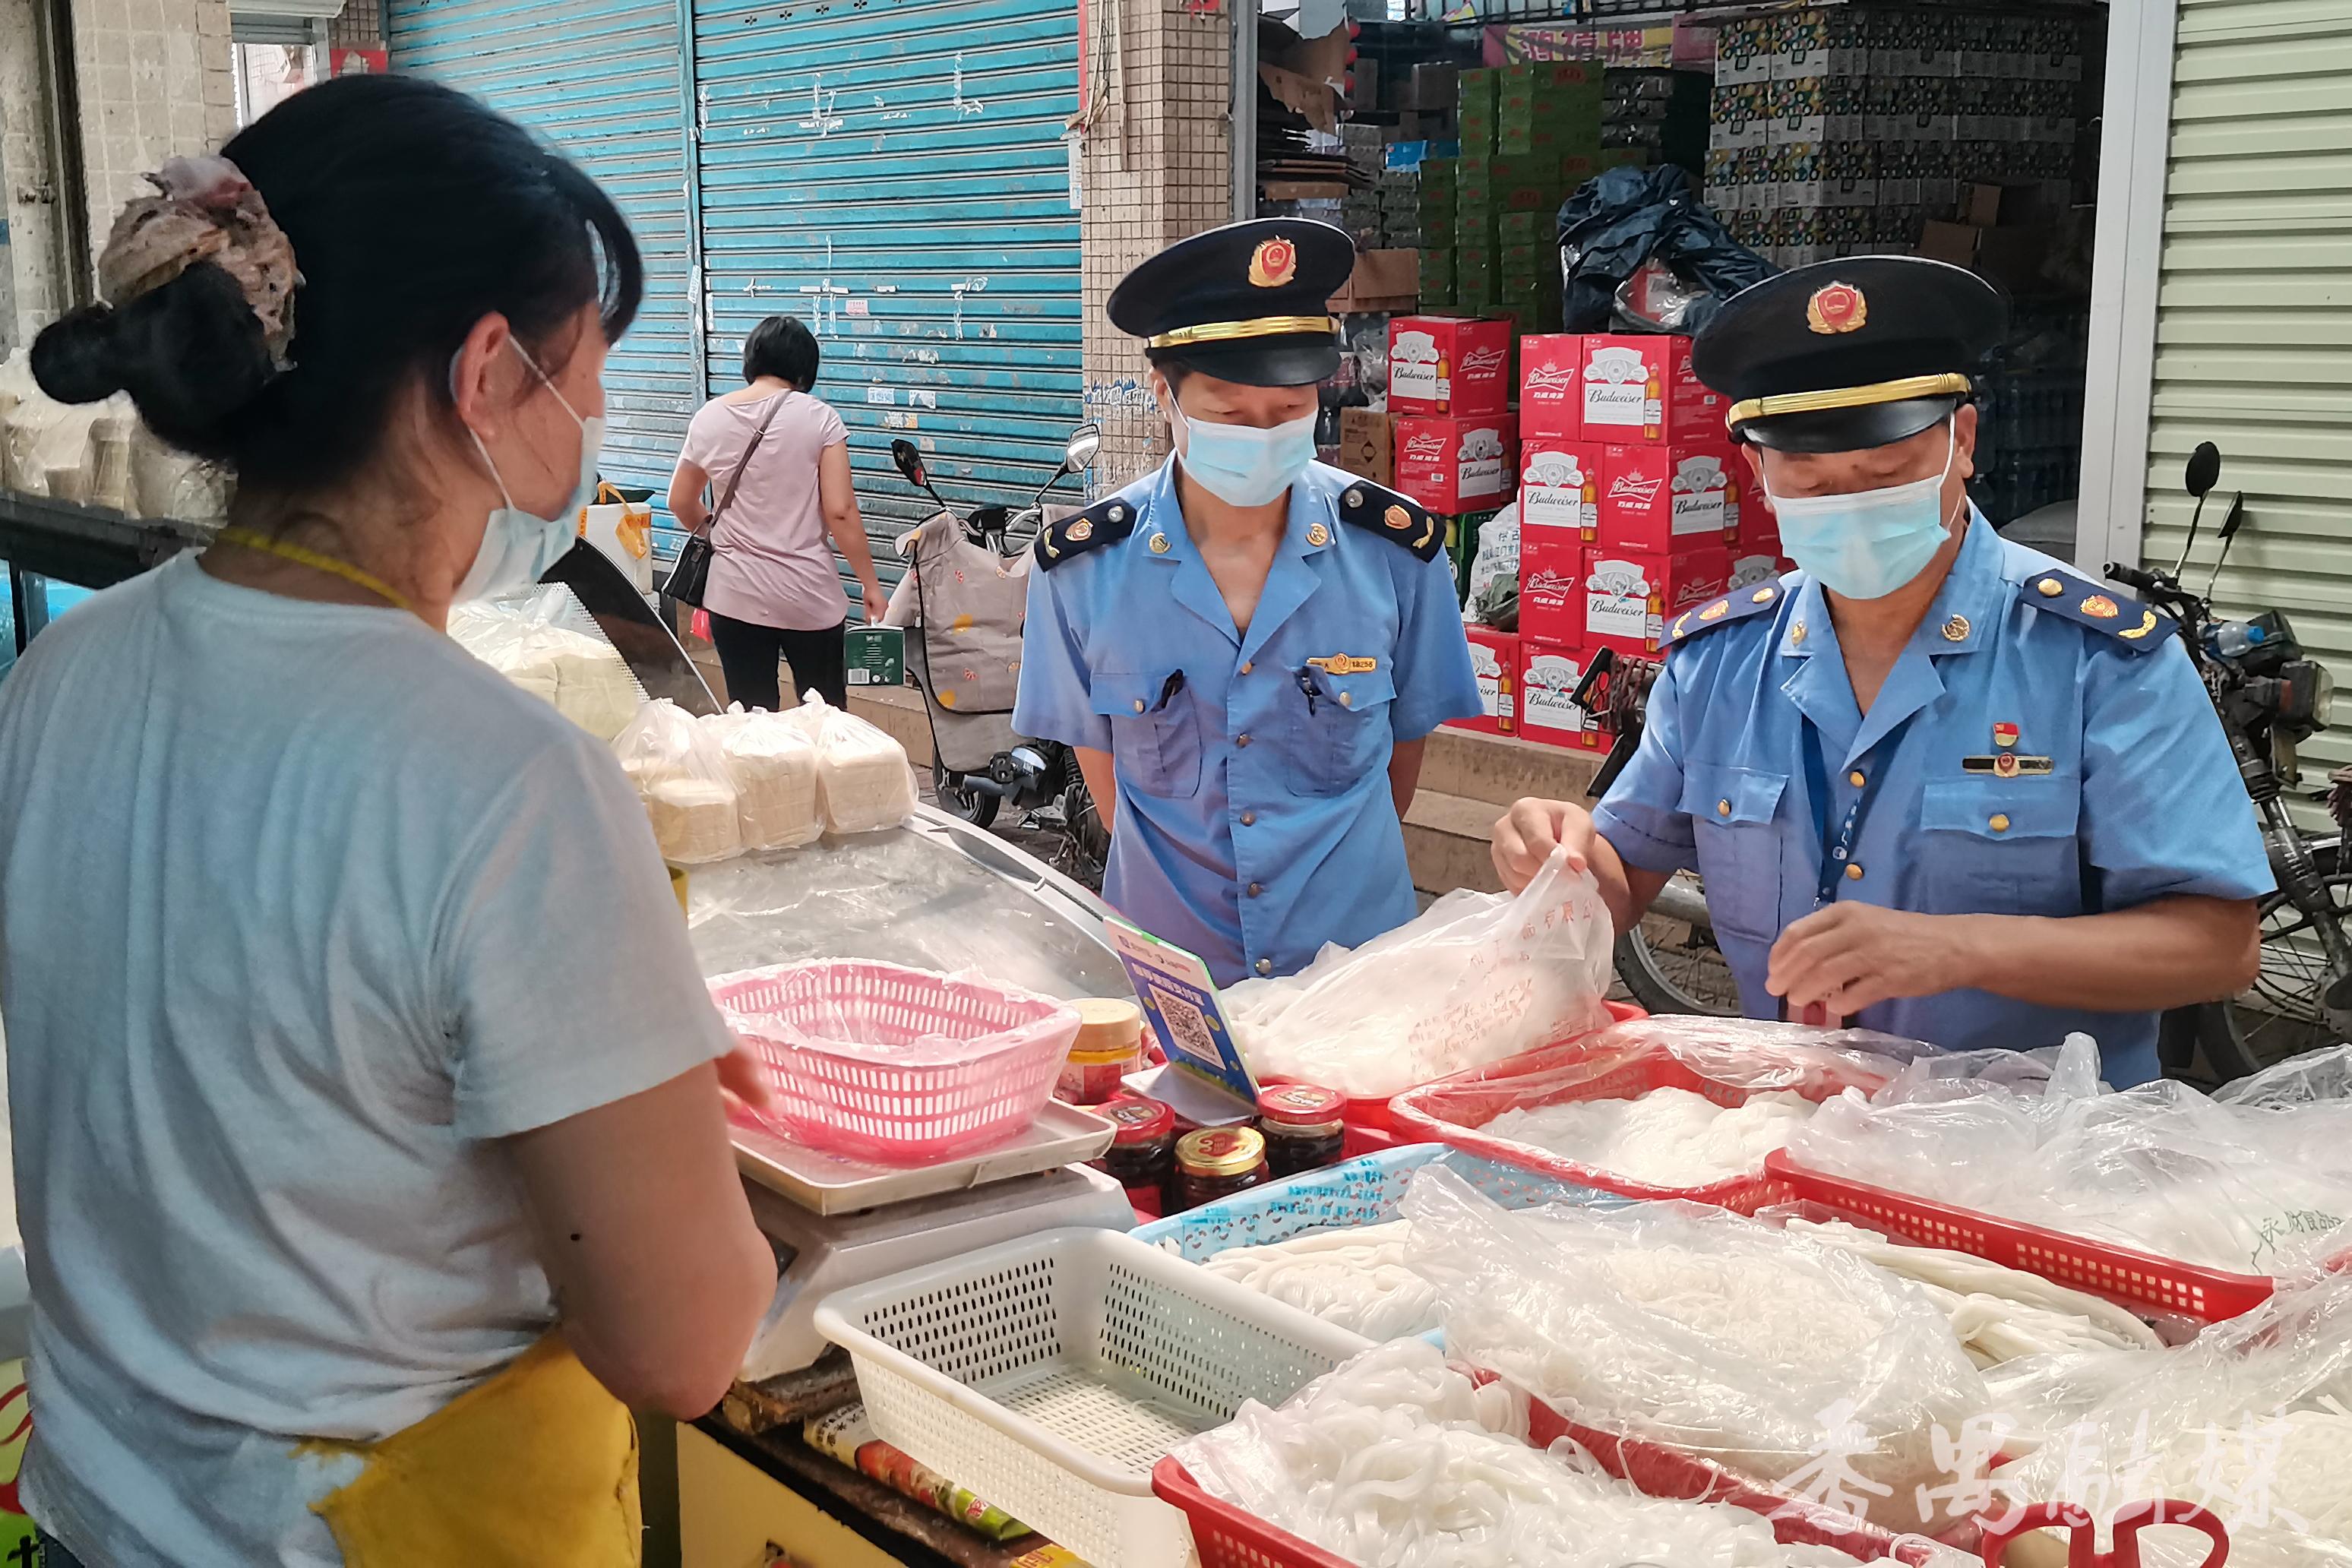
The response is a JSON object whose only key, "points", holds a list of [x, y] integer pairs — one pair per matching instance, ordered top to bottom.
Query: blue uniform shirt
{"points": [[2141, 798], [1255, 823]]}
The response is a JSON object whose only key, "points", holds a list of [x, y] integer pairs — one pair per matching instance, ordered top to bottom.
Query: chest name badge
{"points": [[1345, 664], [2007, 766]]}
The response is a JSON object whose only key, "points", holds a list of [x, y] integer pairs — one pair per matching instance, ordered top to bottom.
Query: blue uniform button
{"points": [[1241, 740], [1249, 819], [1255, 889], [1265, 966]]}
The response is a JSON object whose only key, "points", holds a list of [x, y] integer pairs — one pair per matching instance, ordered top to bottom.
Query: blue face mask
{"points": [[1242, 465], [1867, 545], [517, 546]]}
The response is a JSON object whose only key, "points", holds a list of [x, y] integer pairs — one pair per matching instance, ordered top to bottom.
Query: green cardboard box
{"points": [[1522, 228], [876, 656]]}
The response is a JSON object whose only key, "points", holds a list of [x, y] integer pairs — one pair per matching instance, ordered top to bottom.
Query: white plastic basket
{"points": [[1049, 1375]]}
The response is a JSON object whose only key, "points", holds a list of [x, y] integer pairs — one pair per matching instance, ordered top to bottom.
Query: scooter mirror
{"points": [[1084, 443], [909, 461], [2204, 469], [2237, 517]]}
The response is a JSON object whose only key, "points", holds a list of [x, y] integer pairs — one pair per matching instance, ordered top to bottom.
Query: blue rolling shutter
{"points": [[602, 81], [894, 172]]}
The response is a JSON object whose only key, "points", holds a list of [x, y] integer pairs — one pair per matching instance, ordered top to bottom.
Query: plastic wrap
{"points": [[45, 447], [168, 483], [526, 639], [772, 764], [681, 774], [864, 783], [1477, 977], [2308, 1080], [1667, 1137], [2257, 1188], [1356, 1276], [1777, 1357], [2253, 1420], [1398, 1460]]}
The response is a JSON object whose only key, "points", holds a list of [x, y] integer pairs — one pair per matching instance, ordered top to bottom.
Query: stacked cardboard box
{"points": [[1840, 130], [1530, 134]]}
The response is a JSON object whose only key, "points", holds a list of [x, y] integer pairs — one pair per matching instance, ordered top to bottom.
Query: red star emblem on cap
{"points": [[1274, 263], [1836, 308]]}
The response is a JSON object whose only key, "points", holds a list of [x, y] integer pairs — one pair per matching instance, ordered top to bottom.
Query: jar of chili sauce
{"points": [[1305, 1126], [1142, 1153], [1216, 1163]]}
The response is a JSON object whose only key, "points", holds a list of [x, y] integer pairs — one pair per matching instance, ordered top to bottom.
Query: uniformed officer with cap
{"points": [[1255, 645], [1937, 783]]}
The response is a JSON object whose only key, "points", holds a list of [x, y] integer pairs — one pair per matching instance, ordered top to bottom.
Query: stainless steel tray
{"points": [[823, 1184]]}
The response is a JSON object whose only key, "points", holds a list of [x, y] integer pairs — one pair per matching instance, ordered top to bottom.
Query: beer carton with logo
{"points": [[1449, 366], [1640, 389], [1548, 400], [1457, 465], [1560, 486], [1680, 498], [1750, 569], [1551, 586], [1630, 596], [1494, 657], [1548, 676]]}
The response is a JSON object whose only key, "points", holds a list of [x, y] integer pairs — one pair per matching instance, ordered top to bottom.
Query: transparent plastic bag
{"points": [[527, 640], [772, 764], [681, 774], [864, 783], [1477, 977], [2324, 1074], [2161, 1168], [1783, 1359], [2253, 1420], [1397, 1459]]}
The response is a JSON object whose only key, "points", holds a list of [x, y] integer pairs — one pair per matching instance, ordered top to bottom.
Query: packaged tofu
{"points": [[864, 781]]}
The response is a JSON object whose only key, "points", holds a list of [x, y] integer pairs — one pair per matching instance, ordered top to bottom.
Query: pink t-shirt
{"points": [[773, 564]]}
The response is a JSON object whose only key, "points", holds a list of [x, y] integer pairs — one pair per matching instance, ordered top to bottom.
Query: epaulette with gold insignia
{"points": [[1379, 510], [1104, 522], [1735, 605], [2097, 607]]}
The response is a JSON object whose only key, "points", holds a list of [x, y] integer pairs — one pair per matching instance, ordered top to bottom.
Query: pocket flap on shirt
{"points": [[1363, 690], [1129, 695], [1714, 792], [2038, 806]]}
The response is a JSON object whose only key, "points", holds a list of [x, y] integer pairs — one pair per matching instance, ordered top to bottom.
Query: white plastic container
{"points": [[1049, 1375]]}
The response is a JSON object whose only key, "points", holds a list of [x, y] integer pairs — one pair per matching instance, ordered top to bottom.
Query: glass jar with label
{"points": [[1108, 1046], [1305, 1126], [1142, 1153], [1216, 1163]]}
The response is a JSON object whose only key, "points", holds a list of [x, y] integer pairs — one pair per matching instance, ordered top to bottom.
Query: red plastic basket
{"points": [[851, 1098], [1456, 1110], [2137, 1279]]}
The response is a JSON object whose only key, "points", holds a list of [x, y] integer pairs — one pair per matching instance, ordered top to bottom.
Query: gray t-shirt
{"points": [[301, 909]]}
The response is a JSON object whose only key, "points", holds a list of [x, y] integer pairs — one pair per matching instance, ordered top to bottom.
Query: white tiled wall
{"points": [[155, 81]]}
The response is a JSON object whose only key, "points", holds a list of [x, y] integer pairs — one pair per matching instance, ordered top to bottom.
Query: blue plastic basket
{"points": [[1363, 1191]]}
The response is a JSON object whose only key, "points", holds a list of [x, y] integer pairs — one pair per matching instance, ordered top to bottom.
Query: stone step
{"points": [[1500, 768], [1446, 838]]}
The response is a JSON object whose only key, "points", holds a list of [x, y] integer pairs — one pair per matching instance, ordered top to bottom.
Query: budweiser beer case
{"points": [[1449, 366], [1634, 388], [1548, 405], [1458, 463], [1560, 485], [1671, 498], [1551, 586], [1630, 594], [1494, 657], [1549, 675]]}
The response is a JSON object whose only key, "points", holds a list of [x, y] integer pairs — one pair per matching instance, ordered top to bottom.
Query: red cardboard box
{"points": [[1449, 364], [1635, 388], [1548, 403], [1457, 465], [1560, 485], [1670, 499], [1760, 530], [1551, 586], [1630, 596], [1495, 656], [1548, 672]]}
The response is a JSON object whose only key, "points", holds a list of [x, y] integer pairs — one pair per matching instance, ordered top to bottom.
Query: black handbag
{"points": [[691, 573]]}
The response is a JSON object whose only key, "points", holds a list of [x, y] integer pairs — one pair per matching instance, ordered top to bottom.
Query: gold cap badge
{"points": [[1274, 263], [1836, 308], [1396, 517], [1317, 535], [2100, 605]]}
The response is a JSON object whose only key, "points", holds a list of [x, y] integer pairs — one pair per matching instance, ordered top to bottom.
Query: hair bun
{"points": [[191, 353]]}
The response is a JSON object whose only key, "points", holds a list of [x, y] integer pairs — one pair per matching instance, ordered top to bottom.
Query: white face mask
{"points": [[1241, 464], [1866, 543], [517, 546]]}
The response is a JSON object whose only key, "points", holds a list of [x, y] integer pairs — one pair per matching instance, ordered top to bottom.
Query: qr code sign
{"points": [[1189, 1031]]}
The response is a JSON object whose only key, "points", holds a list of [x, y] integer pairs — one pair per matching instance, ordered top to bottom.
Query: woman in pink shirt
{"points": [[775, 589]]}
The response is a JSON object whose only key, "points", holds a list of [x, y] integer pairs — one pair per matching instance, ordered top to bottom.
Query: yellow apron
{"points": [[536, 1466]]}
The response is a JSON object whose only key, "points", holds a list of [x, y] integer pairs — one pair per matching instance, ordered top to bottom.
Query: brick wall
{"points": [[360, 26], [155, 81], [1156, 167], [33, 292]]}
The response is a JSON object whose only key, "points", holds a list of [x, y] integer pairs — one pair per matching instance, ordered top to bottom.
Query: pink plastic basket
{"points": [[853, 1098]]}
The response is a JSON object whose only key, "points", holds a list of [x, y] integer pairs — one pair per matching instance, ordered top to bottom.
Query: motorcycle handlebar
{"points": [[2134, 578]]}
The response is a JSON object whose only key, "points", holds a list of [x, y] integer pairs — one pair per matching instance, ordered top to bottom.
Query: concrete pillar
{"points": [[1156, 166]]}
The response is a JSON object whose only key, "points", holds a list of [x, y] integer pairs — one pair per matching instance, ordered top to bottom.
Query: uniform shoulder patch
{"points": [[1376, 509], [1107, 521], [1736, 605], [2094, 605]]}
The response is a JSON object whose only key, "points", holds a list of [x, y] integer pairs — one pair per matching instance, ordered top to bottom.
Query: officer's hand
{"points": [[1526, 836], [1849, 955], [744, 1077]]}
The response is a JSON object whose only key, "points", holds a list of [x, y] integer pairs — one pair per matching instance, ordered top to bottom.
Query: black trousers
{"points": [[748, 653], [53, 1554]]}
